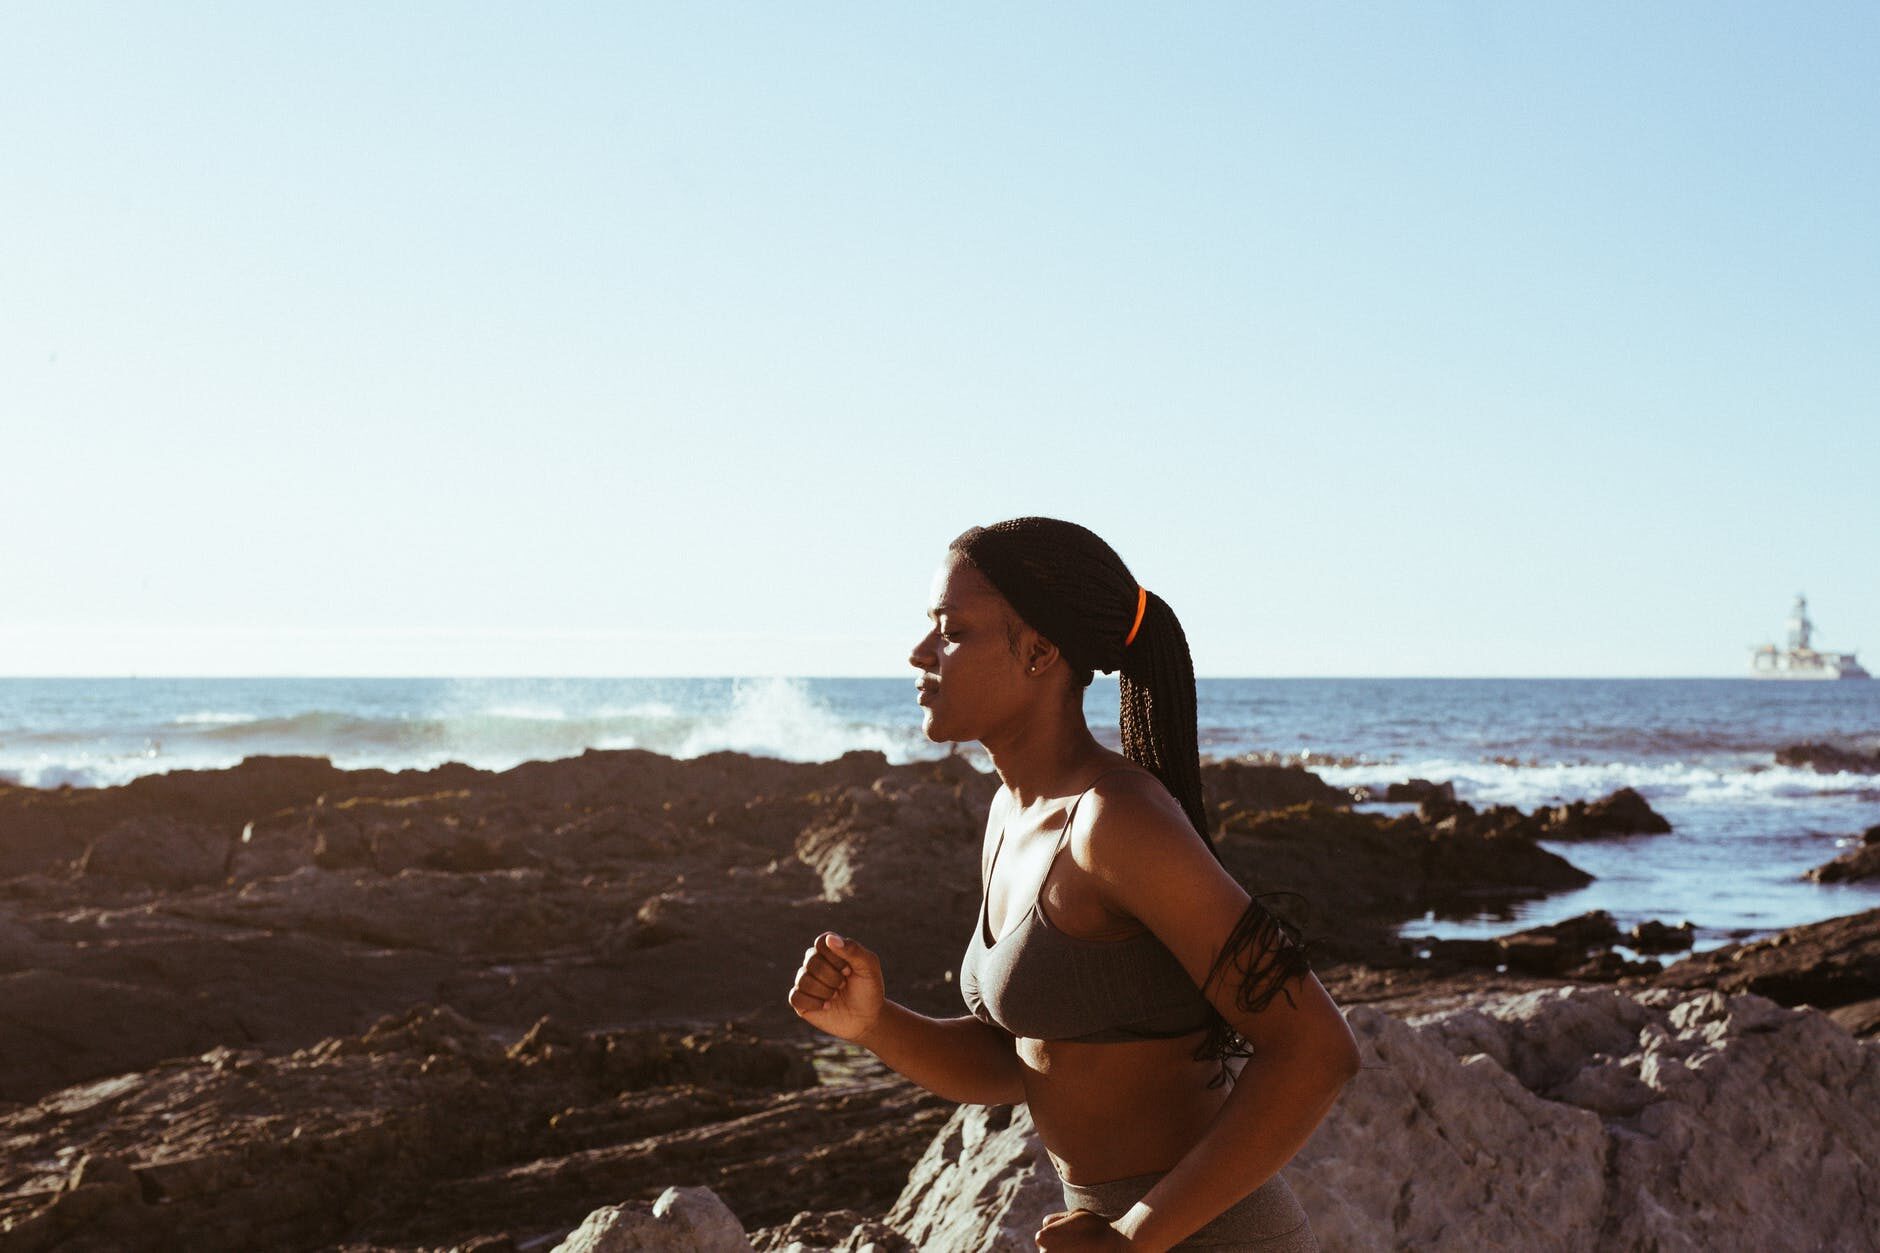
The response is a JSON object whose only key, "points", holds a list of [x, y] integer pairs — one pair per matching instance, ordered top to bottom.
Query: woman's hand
{"points": [[838, 988], [1079, 1230]]}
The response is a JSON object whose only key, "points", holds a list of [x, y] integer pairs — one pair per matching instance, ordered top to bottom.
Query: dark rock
{"points": [[1830, 758], [1252, 787], [1420, 791], [1437, 808], [1624, 812], [35, 832], [390, 834], [898, 840], [160, 852], [1862, 862], [1358, 872], [1593, 929], [1652, 936], [1576, 948], [1553, 949], [1484, 953], [1536, 954], [1825, 964], [1607, 966], [1861, 1017], [58, 1027], [729, 1059], [401, 1136], [101, 1168]]}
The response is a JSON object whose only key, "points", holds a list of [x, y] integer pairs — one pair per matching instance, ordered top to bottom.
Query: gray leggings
{"points": [[1268, 1219]]}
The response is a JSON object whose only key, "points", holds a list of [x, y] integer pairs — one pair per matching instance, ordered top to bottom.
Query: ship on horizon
{"points": [[1801, 659]]}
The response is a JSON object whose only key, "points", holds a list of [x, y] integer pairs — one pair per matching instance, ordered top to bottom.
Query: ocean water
{"points": [[1700, 750]]}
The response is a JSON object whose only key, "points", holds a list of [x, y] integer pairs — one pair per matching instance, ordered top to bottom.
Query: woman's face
{"points": [[971, 682]]}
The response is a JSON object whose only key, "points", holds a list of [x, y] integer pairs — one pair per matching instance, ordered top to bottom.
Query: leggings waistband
{"points": [[1268, 1219]]}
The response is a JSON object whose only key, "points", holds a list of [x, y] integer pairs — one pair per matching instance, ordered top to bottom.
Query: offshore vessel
{"points": [[1801, 659]]}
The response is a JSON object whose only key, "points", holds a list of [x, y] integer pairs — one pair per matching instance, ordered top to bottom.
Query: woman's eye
{"points": [[948, 638]]}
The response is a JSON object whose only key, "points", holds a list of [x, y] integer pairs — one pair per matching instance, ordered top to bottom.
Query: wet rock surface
{"points": [[1856, 758], [1422, 791], [1624, 812], [1621, 813], [1858, 863], [1357, 876], [1580, 947], [1832, 966]]}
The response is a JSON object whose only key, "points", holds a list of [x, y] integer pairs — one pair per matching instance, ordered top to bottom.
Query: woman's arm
{"points": [[1153, 865], [840, 990], [961, 1059], [1285, 1089]]}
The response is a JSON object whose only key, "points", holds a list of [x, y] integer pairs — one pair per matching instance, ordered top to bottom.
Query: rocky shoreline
{"points": [[289, 1006]]}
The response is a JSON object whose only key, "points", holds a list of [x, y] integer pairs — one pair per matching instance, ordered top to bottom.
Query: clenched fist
{"points": [[838, 988]]}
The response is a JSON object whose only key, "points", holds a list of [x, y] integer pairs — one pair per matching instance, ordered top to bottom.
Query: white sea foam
{"points": [[640, 709], [528, 713], [768, 717], [213, 718], [779, 718], [89, 770], [1489, 783]]}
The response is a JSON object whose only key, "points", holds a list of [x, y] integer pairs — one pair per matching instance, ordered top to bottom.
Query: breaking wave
{"points": [[767, 717], [1750, 779]]}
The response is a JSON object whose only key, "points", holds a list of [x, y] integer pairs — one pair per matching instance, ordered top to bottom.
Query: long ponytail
{"points": [[1157, 709]]}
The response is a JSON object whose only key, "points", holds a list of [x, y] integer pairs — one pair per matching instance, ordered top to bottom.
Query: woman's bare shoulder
{"points": [[1129, 784], [1127, 804], [1128, 825]]}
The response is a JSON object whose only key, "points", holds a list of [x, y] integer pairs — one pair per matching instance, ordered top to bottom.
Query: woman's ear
{"points": [[1040, 654]]}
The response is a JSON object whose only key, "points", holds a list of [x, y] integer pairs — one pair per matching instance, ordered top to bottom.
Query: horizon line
{"points": [[884, 678]]}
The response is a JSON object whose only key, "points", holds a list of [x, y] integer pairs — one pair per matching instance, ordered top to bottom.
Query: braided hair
{"points": [[1064, 582]]}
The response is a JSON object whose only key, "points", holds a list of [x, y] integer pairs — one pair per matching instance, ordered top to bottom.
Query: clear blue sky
{"points": [[1380, 339]]}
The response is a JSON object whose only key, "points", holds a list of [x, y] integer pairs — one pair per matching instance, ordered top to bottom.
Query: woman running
{"points": [[1165, 1030]]}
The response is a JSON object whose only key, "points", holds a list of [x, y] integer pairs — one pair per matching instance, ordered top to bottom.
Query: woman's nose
{"points": [[921, 653]]}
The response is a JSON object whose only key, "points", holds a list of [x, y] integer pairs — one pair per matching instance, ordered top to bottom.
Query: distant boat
{"points": [[1801, 659]]}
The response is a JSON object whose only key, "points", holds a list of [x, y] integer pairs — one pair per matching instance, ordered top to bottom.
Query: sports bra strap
{"points": [[1071, 816], [1064, 835], [985, 875]]}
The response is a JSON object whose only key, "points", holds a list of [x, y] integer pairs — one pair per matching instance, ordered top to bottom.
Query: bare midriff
{"points": [[1105, 1110], [1110, 1111]]}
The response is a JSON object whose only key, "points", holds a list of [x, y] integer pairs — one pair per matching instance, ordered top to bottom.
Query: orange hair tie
{"points": [[1142, 602]]}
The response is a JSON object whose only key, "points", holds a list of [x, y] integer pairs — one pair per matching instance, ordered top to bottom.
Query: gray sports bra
{"points": [[1038, 982]]}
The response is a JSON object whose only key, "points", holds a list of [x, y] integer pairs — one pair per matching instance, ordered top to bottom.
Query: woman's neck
{"points": [[1051, 755]]}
